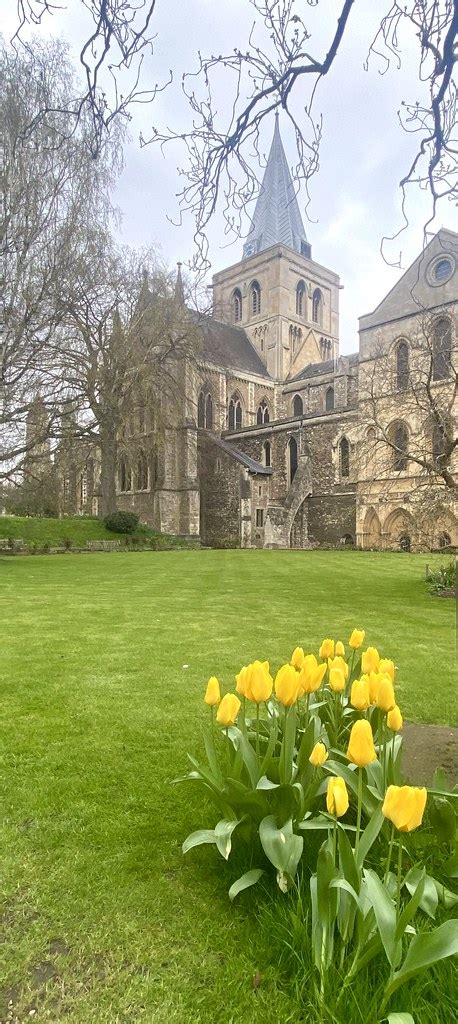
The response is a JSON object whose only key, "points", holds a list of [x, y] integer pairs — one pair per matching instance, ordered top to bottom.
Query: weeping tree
{"points": [[52, 194]]}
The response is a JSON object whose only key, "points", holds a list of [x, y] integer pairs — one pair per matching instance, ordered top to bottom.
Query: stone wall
{"points": [[220, 497]]}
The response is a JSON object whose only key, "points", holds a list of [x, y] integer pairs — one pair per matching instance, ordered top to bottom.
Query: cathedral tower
{"points": [[287, 303]]}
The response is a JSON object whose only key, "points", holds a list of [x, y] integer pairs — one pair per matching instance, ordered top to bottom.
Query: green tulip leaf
{"points": [[240, 742], [288, 745], [265, 784], [443, 818], [204, 835], [223, 835], [369, 835], [281, 846], [347, 860], [450, 868], [326, 872], [245, 881], [448, 898], [429, 899], [410, 910], [385, 915], [424, 951]]}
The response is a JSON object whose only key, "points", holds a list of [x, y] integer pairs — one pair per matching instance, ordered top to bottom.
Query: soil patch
{"points": [[427, 747]]}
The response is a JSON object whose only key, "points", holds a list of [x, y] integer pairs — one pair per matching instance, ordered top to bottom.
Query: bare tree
{"points": [[52, 194], [128, 335], [408, 405]]}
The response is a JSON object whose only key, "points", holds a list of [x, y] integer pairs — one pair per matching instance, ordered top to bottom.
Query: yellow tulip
{"points": [[357, 639], [327, 649], [340, 649], [297, 658], [370, 660], [339, 662], [386, 667], [311, 675], [241, 679], [337, 680], [259, 683], [374, 683], [287, 685], [212, 693], [385, 694], [359, 697], [228, 710], [394, 719], [361, 750], [319, 755], [337, 796], [405, 806]]}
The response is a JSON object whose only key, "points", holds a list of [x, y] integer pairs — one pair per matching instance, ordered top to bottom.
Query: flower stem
{"points": [[257, 733], [360, 803], [388, 859], [398, 889]]}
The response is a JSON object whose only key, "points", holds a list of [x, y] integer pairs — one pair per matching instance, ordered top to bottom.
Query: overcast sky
{"points": [[355, 198]]}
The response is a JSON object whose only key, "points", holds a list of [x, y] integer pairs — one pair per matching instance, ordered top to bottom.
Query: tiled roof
{"points": [[276, 215], [230, 347], [329, 366], [239, 456]]}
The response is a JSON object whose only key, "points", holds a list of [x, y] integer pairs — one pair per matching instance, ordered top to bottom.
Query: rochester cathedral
{"points": [[277, 440]]}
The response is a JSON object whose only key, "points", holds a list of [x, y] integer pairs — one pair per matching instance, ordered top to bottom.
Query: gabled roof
{"points": [[276, 215], [414, 291], [229, 347], [328, 366], [250, 464]]}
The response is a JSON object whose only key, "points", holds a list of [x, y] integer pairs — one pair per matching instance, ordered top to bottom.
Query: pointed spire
{"points": [[276, 217], [179, 287]]}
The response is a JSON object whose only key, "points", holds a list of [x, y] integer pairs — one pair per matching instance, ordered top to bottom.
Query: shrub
{"points": [[121, 522], [442, 578]]}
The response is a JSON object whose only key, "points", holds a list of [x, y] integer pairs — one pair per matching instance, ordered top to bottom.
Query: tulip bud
{"points": [[357, 639], [327, 649], [340, 649], [297, 658], [370, 660], [339, 662], [386, 667], [311, 675], [241, 679], [337, 680], [259, 683], [287, 685], [212, 693], [385, 694], [359, 697], [228, 710], [394, 719], [361, 750], [319, 755], [337, 796], [405, 806]]}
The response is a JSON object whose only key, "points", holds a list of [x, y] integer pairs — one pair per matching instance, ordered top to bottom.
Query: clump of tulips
{"points": [[315, 747]]}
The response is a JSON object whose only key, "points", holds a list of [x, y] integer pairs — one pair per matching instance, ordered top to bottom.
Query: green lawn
{"points": [[41, 530], [103, 667]]}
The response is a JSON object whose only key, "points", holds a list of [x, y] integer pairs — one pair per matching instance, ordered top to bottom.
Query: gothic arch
{"points": [[255, 298], [301, 299], [236, 305], [402, 369], [298, 406], [235, 412], [263, 413], [292, 453], [398, 529], [372, 531]]}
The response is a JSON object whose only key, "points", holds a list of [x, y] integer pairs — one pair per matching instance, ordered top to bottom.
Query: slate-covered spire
{"points": [[276, 216], [179, 287]]}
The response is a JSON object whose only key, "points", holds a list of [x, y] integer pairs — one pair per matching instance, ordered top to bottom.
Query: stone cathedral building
{"points": [[279, 441]]}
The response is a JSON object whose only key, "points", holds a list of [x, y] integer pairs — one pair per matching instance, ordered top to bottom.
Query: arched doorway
{"points": [[398, 530], [372, 532]]}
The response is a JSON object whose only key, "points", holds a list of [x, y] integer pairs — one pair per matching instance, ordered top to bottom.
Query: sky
{"points": [[355, 199]]}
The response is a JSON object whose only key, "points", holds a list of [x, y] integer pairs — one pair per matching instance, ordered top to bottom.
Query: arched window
{"points": [[255, 295], [300, 299], [237, 305], [317, 307], [442, 348], [402, 366], [329, 401], [298, 406], [201, 410], [209, 412], [235, 413], [262, 415], [399, 439], [438, 445], [267, 454], [344, 457], [292, 459], [142, 473], [125, 476], [83, 487], [445, 539]]}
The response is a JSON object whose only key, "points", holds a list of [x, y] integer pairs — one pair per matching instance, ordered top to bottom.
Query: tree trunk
{"points": [[108, 469]]}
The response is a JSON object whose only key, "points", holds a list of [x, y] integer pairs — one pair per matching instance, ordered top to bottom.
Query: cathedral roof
{"points": [[276, 217], [230, 347], [328, 366], [245, 460]]}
